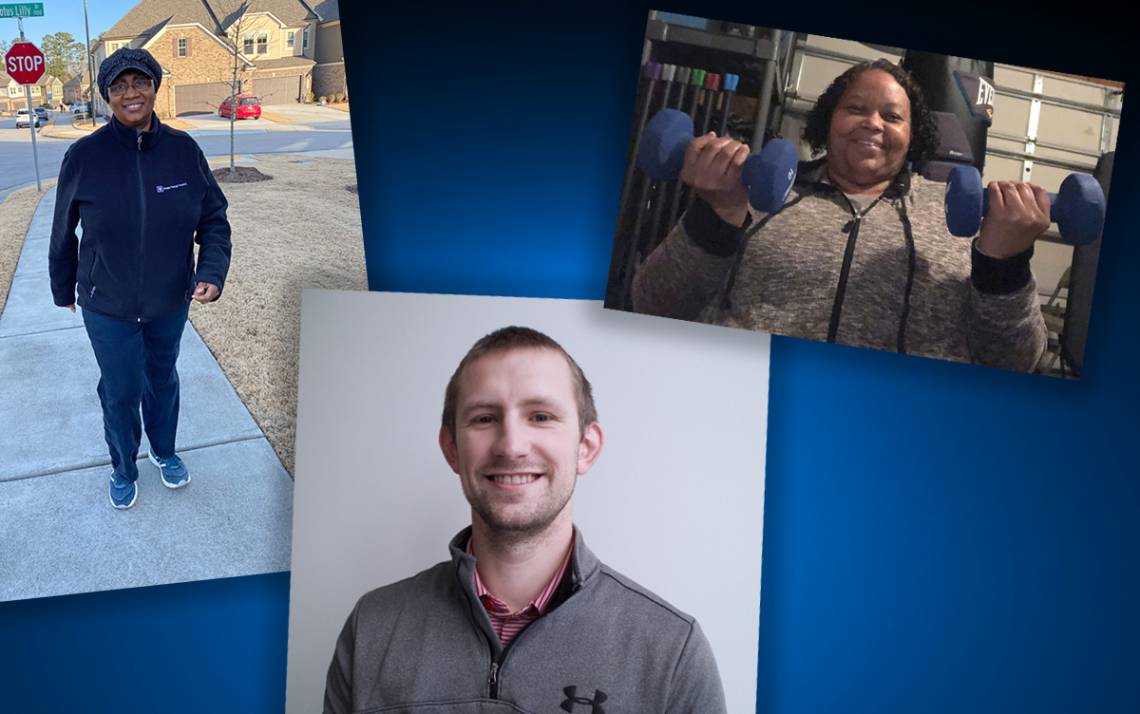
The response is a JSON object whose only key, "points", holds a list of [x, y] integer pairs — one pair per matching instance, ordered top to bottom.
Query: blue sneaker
{"points": [[174, 473], [123, 492]]}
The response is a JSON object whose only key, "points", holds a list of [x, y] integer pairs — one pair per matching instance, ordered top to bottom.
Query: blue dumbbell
{"points": [[768, 176], [1077, 209]]}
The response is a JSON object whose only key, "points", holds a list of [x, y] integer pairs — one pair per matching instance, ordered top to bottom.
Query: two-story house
{"points": [[194, 42], [328, 73], [77, 89], [51, 91], [12, 95]]}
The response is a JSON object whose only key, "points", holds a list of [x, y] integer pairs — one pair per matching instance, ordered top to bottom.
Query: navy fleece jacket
{"points": [[143, 199]]}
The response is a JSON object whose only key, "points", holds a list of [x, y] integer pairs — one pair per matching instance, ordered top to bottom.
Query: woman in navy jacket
{"points": [[143, 194]]}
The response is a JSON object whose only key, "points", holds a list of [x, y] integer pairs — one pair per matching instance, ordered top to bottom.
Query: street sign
{"points": [[22, 9], [24, 63]]}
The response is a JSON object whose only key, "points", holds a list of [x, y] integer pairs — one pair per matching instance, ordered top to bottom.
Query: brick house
{"points": [[194, 42]]}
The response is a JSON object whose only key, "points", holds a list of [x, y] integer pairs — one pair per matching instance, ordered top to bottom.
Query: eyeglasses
{"points": [[140, 84]]}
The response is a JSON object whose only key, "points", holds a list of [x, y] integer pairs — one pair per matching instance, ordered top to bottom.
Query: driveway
{"points": [[309, 114], [275, 117]]}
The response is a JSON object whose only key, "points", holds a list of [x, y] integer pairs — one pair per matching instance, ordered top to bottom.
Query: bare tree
{"points": [[233, 24]]}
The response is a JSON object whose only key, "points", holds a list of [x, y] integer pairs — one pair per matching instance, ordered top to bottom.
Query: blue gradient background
{"points": [[937, 538]]}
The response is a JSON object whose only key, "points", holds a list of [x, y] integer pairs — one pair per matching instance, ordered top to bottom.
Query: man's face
{"points": [[131, 97], [517, 447]]}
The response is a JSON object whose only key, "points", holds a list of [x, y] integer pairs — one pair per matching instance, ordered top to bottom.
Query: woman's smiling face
{"points": [[131, 97], [869, 136]]}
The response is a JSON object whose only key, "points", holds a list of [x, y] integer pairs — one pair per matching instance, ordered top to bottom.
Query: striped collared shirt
{"points": [[508, 624]]}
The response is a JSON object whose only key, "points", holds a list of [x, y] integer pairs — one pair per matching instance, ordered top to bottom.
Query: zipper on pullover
{"points": [[142, 227], [851, 228], [497, 662], [493, 680]]}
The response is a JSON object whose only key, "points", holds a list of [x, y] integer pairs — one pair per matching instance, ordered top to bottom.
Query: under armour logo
{"points": [[573, 699]]}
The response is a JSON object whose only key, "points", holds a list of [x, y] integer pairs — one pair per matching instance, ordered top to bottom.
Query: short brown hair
{"points": [[517, 338]]}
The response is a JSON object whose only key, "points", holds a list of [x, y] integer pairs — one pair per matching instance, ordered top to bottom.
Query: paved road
{"points": [[16, 146]]}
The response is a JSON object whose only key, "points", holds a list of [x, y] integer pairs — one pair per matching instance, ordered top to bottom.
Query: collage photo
{"points": [[520, 385]]}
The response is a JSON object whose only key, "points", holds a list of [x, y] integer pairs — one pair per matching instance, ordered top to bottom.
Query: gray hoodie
{"points": [[888, 276], [425, 645]]}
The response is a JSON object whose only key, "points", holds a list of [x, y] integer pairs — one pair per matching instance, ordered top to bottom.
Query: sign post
{"points": [[25, 64]]}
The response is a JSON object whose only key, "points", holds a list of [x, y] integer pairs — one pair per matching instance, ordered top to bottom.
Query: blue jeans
{"points": [[136, 367]]}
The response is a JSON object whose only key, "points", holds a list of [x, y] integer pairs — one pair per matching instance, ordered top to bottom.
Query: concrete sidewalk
{"points": [[58, 532]]}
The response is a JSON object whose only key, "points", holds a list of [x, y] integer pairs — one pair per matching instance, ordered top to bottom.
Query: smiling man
{"points": [[143, 194], [523, 617]]}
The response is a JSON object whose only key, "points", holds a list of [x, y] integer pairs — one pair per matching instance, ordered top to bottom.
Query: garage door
{"points": [[278, 90], [198, 98]]}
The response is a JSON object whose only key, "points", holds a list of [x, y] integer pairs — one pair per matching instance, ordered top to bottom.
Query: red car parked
{"points": [[248, 107]]}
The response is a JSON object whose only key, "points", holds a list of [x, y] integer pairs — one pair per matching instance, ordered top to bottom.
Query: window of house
{"points": [[290, 39], [305, 39], [262, 43], [247, 44], [181, 46], [14, 91]]}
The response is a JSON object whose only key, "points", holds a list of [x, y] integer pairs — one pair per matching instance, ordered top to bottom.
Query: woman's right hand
{"points": [[712, 168]]}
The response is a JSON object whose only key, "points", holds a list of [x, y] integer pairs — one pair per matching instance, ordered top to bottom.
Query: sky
{"points": [[66, 16]]}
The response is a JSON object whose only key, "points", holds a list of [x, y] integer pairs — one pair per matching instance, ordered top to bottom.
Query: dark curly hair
{"points": [[923, 128]]}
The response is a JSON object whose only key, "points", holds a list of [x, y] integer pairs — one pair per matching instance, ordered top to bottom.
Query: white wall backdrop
{"points": [[675, 502]]}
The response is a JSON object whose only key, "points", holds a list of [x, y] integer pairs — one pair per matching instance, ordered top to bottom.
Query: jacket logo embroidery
{"points": [[162, 189], [572, 700]]}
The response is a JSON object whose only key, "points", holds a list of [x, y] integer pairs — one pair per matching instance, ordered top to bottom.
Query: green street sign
{"points": [[23, 9]]}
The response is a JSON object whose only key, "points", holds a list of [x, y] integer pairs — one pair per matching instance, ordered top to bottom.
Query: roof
{"points": [[327, 9], [291, 12], [149, 16], [284, 62], [5, 78]]}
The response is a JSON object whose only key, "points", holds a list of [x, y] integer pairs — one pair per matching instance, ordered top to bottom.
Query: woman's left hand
{"points": [[1017, 214], [206, 292]]}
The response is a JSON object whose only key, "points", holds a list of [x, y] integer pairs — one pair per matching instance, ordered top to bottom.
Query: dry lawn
{"points": [[15, 216], [300, 230]]}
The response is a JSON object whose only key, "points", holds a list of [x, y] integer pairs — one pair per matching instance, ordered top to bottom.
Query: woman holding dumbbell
{"points": [[860, 253]]}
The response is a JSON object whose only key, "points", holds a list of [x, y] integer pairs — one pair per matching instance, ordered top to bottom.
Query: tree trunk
{"points": [[234, 104]]}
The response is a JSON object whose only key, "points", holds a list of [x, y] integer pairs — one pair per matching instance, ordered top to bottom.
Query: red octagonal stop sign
{"points": [[24, 63]]}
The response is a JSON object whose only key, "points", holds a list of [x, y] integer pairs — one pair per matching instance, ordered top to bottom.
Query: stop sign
{"points": [[24, 63]]}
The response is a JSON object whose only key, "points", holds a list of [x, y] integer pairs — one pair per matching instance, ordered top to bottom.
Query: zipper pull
{"points": [[140, 141], [493, 680]]}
